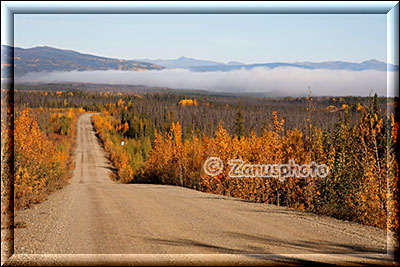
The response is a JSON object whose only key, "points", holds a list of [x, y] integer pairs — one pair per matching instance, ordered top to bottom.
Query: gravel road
{"points": [[95, 215]]}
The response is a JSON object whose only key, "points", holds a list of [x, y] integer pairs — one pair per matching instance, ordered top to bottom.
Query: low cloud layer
{"points": [[276, 82]]}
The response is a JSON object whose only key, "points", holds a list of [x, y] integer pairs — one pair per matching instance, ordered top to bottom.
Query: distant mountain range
{"points": [[44, 58], [182, 62], [206, 65], [331, 65]]}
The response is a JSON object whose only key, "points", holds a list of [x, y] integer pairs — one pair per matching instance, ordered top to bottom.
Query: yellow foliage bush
{"points": [[187, 102], [39, 163]]}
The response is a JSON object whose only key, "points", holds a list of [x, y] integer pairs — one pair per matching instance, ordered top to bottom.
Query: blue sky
{"points": [[244, 38]]}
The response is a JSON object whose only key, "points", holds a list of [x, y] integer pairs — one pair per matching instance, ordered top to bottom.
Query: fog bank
{"points": [[285, 81]]}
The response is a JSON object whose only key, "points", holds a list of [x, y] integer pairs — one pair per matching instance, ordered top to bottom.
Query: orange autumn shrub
{"points": [[187, 102], [40, 161], [35, 163]]}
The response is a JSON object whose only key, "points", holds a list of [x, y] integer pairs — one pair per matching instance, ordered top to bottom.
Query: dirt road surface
{"points": [[96, 215]]}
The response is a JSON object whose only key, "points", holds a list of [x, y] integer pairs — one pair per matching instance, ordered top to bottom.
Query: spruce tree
{"points": [[239, 128]]}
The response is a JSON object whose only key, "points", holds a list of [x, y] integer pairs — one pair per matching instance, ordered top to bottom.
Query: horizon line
{"points": [[242, 63]]}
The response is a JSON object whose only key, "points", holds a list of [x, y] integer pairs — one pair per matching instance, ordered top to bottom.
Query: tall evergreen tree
{"points": [[239, 128]]}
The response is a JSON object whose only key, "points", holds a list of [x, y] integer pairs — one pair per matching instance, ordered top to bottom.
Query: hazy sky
{"points": [[244, 38]]}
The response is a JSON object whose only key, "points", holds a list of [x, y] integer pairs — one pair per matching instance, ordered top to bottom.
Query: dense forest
{"points": [[162, 107], [169, 134]]}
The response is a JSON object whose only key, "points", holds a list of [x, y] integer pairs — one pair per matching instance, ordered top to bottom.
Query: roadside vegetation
{"points": [[165, 137], [44, 140], [361, 185]]}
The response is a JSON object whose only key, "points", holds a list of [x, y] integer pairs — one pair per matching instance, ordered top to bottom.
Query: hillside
{"points": [[44, 58]]}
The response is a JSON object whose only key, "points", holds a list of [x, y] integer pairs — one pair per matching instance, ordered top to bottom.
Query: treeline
{"points": [[163, 108]]}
